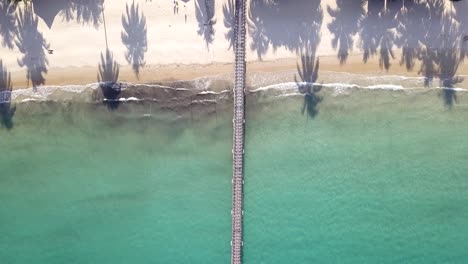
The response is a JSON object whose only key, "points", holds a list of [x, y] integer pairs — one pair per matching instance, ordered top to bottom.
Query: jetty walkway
{"points": [[238, 132]]}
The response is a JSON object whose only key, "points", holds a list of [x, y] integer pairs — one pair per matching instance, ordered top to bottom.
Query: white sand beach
{"points": [[191, 38]]}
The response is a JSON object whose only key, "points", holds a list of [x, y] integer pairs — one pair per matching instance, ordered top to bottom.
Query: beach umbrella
{"points": [[48, 10]]}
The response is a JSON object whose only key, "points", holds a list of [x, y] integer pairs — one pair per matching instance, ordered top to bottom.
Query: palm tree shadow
{"points": [[461, 9], [229, 10], [84, 11], [205, 13], [278, 23], [7, 24], [345, 24], [258, 28], [377, 31], [410, 34], [134, 37], [32, 45], [439, 50], [449, 60], [429, 61], [108, 75], [308, 75], [6, 110]]}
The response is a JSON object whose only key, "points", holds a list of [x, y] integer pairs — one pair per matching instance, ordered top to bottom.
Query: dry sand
{"points": [[176, 49]]}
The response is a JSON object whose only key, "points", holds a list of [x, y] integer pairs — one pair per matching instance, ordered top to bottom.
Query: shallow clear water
{"points": [[374, 177], [80, 184]]}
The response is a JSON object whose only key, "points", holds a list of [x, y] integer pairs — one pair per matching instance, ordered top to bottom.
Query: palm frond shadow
{"points": [[461, 9], [229, 10], [84, 12], [205, 14], [346, 18], [278, 23], [7, 24], [377, 34], [410, 34], [134, 37], [430, 43], [32, 45], [449, 61], [108, 74], [308, 75], [7, 111]]}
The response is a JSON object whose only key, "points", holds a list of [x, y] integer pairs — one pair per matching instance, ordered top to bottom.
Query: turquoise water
{"points": [[374, 177], [80, 184]]}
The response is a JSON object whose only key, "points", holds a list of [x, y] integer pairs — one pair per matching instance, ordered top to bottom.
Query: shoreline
{"points": [[187, 72]]}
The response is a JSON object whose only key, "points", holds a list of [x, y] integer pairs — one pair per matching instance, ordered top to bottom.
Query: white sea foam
{"points": [[340, 85], [279, 86], [385, 87], [290, 88], [282, 89], [206, 92], [213, 92], [41, 93], [128, 99], [28, 100], [204, 101]]}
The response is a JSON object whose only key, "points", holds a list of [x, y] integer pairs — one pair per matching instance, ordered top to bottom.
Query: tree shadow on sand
{"points": [[229, 10], [84, 11], [205, 13], [461, 15], [412, 18], [278, 23], [7, 24], [345, 24], [378, 31], [134, 37], [430, 42], [32, 45], [438, 47], [449, 61], [108, 74], [308, 75], [6, 110]]}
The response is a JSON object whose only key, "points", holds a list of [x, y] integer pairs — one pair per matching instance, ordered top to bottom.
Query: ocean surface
{"points": [[375, 175], [81, 184]]}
